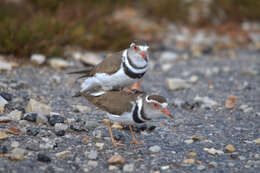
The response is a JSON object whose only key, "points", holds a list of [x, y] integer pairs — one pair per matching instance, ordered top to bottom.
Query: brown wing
{"points": [[109, 65], [83, 73], [114, 102]]}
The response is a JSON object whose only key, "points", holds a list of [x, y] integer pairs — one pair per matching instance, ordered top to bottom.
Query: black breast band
{"points": [[131, 74]]}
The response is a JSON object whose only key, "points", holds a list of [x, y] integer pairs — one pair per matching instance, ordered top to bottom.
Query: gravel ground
{"points": [[216, 125]]}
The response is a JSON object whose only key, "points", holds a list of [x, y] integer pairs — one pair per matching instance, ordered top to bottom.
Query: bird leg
{"points": [[135, 86], [108, 124], [134, 141]]}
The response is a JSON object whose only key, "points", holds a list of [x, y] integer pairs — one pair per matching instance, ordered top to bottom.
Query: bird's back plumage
{"points": [[113, 102]]}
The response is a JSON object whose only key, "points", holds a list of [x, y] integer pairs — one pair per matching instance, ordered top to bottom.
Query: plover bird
{"points": [[117, 71], [128, 108]]}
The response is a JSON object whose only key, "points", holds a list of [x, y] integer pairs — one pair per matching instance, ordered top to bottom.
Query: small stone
{"points": [[168, 56], [86, 57], [38, 59], [59, 63], [5, 66], [166, 67], [56, 79], [193, 79], [176, 84], [3, 85], [19, 85], [6, 96], [232, 98], [206, 101], [3, 102], [229, 104], [37, 107], [246, 108], [82, 109], [15, 115], [30, 117], [55, 118], [5, 119], [41, 119], [91, 124], [60, 126], [78, 126], [117, 126], [13, 130], [33, 131], [60, 132], [97, 134], [3, 135], [84, 140], [188, 141], [257, 141], [15, 144], [48, 144], [32, 145], [100, 145], [230, 148], [3, 149], [155, 149], [213, 151], [17, 154], [93, 154], [192, 154], [62, 155], [233, 155], [257, 156], [43, 158], [241, 158], [116, 159], [188, 161], [92, 163], [213, 164], [231, 164], [165, 167], [201, 167], [112, 168], [128, 168]]}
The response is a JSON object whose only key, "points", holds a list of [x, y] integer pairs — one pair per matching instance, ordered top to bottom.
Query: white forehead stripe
{"points": [[144, 48], [164, 105]]}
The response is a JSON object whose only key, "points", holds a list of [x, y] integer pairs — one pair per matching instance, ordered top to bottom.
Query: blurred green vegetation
{"points": [[237, 10], [47, 26]]}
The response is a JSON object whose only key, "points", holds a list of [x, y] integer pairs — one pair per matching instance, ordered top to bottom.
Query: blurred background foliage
{"points": [[48, 26]]}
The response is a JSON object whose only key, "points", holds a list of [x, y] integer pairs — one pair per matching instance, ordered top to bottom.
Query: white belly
{"points": [[108, 82], [126, 118]]}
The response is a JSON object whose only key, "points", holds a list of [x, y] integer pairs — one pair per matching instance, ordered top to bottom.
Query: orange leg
{"points": [[136, 86], [107, 123], [134, 141]]}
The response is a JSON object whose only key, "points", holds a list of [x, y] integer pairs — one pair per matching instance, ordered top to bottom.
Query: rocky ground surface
{"points": [[214, 97]]}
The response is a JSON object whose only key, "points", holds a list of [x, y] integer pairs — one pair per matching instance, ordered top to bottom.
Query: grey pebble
{"points": [[155, 149], [93, 154], [201, 167], [128, 168]]}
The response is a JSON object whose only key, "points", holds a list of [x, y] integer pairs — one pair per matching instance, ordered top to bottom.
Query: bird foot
{"points": [[135, 87], [128, 91], [137, 142], [116, 144]]}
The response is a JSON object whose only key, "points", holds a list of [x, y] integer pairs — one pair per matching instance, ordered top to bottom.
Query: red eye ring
{"points": [[136, 48], [155, 105]]}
